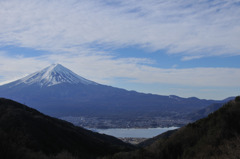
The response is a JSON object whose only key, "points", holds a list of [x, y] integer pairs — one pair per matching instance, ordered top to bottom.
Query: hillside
{"points": [[202, 113], [26, 133], [217, 136]]}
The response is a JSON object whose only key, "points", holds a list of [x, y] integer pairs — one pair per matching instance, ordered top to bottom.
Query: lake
{"points": [[134, 132]]}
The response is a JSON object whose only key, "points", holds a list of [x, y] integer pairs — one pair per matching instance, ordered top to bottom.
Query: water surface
{"points": [[134, 132]]}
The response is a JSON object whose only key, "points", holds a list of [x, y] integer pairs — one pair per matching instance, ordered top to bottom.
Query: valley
{"points": [[30, 134]]}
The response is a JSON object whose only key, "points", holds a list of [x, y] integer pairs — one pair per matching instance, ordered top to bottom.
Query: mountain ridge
{"points": [[91, 99]]}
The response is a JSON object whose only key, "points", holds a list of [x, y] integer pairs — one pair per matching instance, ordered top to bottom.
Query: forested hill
{"points": [[26, 133], [216, 136]]}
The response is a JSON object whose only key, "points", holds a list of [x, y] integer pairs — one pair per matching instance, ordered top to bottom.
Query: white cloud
{"points": [[192, 28], [69, 30], [187, 58], [12, 68], [105, 69]]}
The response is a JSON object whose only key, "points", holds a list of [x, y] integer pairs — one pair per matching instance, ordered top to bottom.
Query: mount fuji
{"points": [[53, 75], [57, 91]]}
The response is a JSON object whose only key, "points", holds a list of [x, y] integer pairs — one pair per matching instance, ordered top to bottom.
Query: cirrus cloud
{"points": [[189, 28], [78, 33], [105, 69]]}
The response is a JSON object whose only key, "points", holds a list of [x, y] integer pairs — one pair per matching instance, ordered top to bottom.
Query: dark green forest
{"points": [[26, 133], [214, 137]]}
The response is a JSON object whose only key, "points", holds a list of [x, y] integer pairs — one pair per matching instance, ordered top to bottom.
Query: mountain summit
{"points": [[53, 75]]}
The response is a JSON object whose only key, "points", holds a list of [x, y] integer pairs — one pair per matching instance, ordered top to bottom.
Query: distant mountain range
{"points": [[57, 91], [26, 133]]}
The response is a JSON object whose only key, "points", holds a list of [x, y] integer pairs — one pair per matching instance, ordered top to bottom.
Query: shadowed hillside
{"points": [[202, 113], [26, 133], [217, 136]]}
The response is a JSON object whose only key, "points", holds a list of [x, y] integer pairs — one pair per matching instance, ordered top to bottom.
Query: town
{"points": [[144, 122]]}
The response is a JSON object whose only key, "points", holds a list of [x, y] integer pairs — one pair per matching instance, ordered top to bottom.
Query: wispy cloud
{"points": [[190, 28], [69, 31], [187, 58], [13, 68], [105, 69]]}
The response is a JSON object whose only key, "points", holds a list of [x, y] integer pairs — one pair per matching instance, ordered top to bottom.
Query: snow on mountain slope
{"points": [[52, 75]]}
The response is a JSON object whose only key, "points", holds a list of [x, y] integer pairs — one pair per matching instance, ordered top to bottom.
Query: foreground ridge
{"points": [[25, 133], [216, 136]]}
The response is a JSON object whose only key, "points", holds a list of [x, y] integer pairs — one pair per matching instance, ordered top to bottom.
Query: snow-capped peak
{"points": [[52, 75]]}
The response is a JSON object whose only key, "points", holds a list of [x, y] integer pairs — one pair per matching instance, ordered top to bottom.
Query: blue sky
{"points": [[185, 48]]}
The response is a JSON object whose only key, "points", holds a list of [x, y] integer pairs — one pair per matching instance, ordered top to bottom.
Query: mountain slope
{"points": [[52, 75], [58, 92], [202, 113], [27, 133], [217, 136]]}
